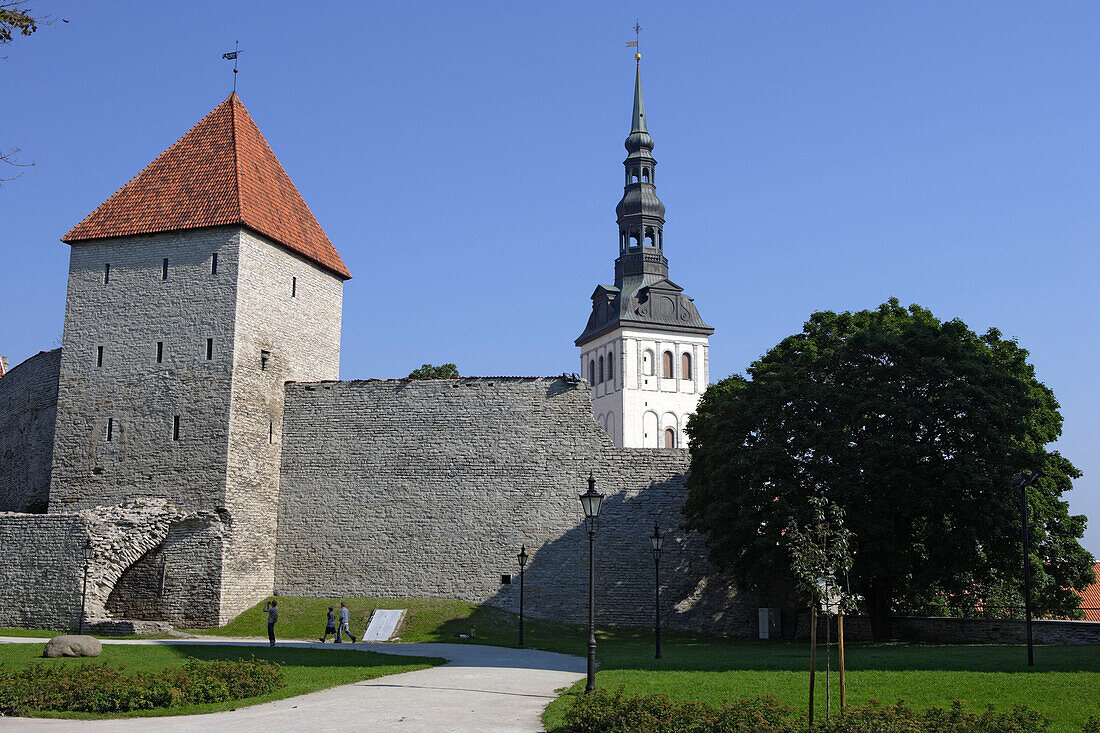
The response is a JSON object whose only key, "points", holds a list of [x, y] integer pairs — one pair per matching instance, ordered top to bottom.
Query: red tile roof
{"points": [[221, 172], [1090, 597]]}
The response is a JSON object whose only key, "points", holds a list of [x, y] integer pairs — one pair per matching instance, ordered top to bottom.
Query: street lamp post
{"points": [[1022, 481], [591, 501], [656, 543], [522, 557], [84, 592]]}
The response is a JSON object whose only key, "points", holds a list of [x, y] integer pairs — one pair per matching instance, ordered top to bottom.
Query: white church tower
{"points": [[644, 350]]}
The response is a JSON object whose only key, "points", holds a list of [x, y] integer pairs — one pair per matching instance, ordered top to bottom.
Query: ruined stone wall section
{"points": [[127, 312], [287, 327], [28, 409], [428, 488]]}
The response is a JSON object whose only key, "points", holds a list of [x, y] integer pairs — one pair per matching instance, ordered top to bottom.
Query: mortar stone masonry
{"points": [[28, 410]]}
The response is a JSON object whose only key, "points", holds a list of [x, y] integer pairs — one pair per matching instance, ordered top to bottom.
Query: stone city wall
{"points": [[28, 408], [429, 487], [41, 569]]}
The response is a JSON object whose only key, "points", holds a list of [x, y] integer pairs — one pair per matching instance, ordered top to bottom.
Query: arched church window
{"points": [[645, 175], [634, 176], [649, 241], [647, 363], [667, 365], [685, 365], [611, 367], [601, 370], [591, 371], [670, 438]]}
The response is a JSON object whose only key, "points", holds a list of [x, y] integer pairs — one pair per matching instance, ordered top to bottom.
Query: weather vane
{"points": [[634, 43], [232, 56]]}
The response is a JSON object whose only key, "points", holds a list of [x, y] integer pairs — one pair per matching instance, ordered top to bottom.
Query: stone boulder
{"points": [[72, 645]]}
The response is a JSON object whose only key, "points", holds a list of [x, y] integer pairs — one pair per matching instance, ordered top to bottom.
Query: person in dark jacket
{"points": [[272, 618], [330, 626]]}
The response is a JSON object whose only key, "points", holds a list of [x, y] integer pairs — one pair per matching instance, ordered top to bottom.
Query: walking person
{"points": [[272, 617], [345, 618], [330, 626]]}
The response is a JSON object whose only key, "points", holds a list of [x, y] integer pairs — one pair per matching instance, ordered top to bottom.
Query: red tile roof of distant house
{"points": [[222, 172], [1090, 597]]}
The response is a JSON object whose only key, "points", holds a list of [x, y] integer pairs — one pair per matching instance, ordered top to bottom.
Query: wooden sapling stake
{"points": [[840, 641], [813, 657]]}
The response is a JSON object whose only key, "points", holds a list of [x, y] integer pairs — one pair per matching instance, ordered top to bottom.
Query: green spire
{"points": [[639, 105]]}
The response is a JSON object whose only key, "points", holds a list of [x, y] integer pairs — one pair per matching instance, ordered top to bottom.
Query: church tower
{"points": [[644, 350]]}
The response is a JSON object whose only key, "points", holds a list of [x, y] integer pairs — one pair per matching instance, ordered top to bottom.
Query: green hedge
{"points": [[100, 688], [618, 713]]}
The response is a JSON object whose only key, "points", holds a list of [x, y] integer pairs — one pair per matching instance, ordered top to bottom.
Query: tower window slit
{"points": [[214, 263], [164, 269], [106, 272], [293, 287], [209, 349], [160, 352], [99, 356], [264, 357], [601, 370], [176, 427], [110, 429], [271, 432]]}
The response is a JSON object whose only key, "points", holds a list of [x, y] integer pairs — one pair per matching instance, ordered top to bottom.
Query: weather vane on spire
{"points": [[634, 43], [232, 56]]}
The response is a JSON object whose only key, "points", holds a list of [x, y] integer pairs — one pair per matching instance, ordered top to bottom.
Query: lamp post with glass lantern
{"points": [[590, 502], [656, 542], [522, 557], [84, 592]]}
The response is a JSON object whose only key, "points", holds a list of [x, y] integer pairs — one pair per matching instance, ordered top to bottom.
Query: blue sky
{"points": [[465, 159]]}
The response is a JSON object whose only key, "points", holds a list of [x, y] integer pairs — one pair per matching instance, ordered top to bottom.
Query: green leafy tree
{"points": [[428, 371], [913, 425]]}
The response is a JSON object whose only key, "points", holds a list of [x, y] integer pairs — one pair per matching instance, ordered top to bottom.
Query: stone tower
{"points": [[195, 292], [644, 350]]}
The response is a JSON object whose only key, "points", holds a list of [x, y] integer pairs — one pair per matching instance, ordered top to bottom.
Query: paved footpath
{"points": [[480, 689]]}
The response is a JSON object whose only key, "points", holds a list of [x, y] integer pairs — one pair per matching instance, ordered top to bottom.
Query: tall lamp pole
{"points": [[1022, 481], [590, 502], [656, 542], [522, 557], [84, 592]]}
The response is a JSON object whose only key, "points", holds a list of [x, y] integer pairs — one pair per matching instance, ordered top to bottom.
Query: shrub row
{"points": [[100, 688], [616, 712]]}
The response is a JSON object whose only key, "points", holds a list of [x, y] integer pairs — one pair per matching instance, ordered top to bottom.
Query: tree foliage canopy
{"points": [[16, 19], [428, 371], [914, 426]]}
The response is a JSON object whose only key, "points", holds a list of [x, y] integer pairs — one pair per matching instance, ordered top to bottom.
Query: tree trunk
{"points": [[878, 598], [813, 657]]}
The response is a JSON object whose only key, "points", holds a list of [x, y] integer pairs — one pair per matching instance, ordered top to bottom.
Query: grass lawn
{"points": [[305, 670], [1064, 685]]}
